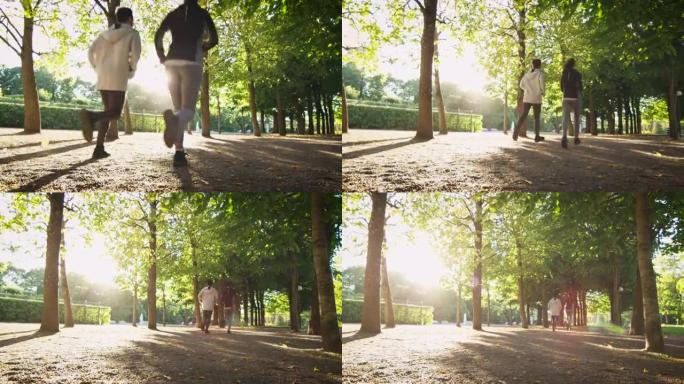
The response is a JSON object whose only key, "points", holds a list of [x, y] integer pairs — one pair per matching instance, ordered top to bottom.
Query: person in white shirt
{"points": [[114, 55], [532, 83], [208, 298], [555, 307]]}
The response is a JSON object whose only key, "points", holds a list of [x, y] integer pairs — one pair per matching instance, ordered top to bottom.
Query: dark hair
{"points": [[190, 2], [123, 14], [536, 63], [569, 64], [209, 283]]}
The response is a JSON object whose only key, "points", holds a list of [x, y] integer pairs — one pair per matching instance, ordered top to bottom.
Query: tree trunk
{"points": [[522, 48], [427, 53], [438, 91], [252, 94], [204, 102], [672, 106], [319, 111], [345, 111], [505, 112], [310, 113], [619, 113], [280, 114], [331, 115], [611, 119], [301, 121], [592, 121], [32, 122], [128, 125], [152, 272], [477, 274], [195, 286], [521, 289], [294, 294], [387, 295], [66, 298], [163, 306], [245, 306], [489, 307], [545, 310], [134, 311], [615, 311], [370, 315], [50, 316], [315, 321], [637, 324], [654, 334], [332, 338]]}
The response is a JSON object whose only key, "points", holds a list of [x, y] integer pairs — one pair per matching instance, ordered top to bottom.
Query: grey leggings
{"points": [[184, 84], [568, 106]]}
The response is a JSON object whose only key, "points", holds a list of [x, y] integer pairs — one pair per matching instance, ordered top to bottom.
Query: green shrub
{"points": [[57, 117], [392, 117], [30, 311], [403, 313]]}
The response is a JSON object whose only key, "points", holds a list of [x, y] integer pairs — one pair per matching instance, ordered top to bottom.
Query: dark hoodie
{"points": [[187, 24], [571, 83]]}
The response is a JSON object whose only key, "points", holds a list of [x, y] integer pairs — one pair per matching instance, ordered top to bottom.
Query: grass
{"points": [[673, 329]]}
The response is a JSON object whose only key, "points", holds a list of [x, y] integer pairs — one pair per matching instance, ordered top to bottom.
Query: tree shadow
{"points": [[364, 142], [38, 144], [381, 148], [47, 152], [183, 174], [42, 181], [358, 335], [21, 339]]}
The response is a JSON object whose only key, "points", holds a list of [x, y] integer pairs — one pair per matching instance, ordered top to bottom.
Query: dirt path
{"points": [[58, 160], [374, 160], [123, 354], [446, 354]]}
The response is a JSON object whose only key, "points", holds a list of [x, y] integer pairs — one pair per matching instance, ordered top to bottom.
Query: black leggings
{"points": [[113, 105], [526, 110]]}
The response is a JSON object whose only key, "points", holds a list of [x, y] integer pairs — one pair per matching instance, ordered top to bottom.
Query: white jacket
{"points": [[114, 55], [533, 85], [208, 297], [555, 307]]}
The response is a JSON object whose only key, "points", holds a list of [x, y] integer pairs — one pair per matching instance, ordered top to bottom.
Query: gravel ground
{"points": [[59, 160], [375, 160], [124, 354], [447, 354]]}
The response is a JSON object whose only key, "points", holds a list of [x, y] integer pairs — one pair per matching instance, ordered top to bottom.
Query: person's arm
{"points": [[213, 35], [159, 39], [134, 54], [92, 57], [541, 84], [199, 296]]}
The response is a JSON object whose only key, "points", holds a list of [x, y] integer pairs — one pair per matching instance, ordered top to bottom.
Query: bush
{"points": [[57, 117], [392, 117], [30, 311], [403, 313]]}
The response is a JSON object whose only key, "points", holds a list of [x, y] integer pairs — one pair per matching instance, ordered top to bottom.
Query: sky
{"points": [[402, 61], [150, 73], [86, 258], [416, 258]]}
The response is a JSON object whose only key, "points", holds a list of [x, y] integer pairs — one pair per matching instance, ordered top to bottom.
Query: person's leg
{"points": [[191, 80], [114, 101], [578, 110], [523, 116], [170, 119], [566, 121], [537, 122], [229, 319], [207, 321]]}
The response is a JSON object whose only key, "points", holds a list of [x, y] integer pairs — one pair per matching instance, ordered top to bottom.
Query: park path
{"points": [[59, 160], [379, 160], [124, 354], [447, 354]]}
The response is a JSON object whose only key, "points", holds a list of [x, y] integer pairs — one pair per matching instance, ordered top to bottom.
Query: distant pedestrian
{"points": [[114, 55], [532, 83], [571, 85], [208, 298], [230, 301], [555, 307]]}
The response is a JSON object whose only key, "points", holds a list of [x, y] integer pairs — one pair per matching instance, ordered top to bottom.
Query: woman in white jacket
{"points": [[114, 55], [532, 83]]}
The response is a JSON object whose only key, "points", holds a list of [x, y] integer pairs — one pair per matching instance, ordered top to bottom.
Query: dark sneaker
{"points": [[87, 125], [171, 129], [538, 138], [577, 140], [564, 142], [99, 152], [179, 159]]}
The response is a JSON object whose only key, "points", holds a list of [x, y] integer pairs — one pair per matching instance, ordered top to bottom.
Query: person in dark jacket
{"points": [[188, 25], [571, 85]]}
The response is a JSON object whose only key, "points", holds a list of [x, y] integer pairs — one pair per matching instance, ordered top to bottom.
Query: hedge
{"points": [[54, 117], [391, 117], [30, 311], [403, 313]]}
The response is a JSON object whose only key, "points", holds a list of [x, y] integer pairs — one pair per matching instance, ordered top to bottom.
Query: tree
{"points": [[427, 52], [66, 297], [370, 316], [50, 317], [330, 333], [654, 334]]}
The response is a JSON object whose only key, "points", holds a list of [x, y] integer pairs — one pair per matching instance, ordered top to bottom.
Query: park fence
{"points": [[378, 116], [26, 310], [403, 313]]}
